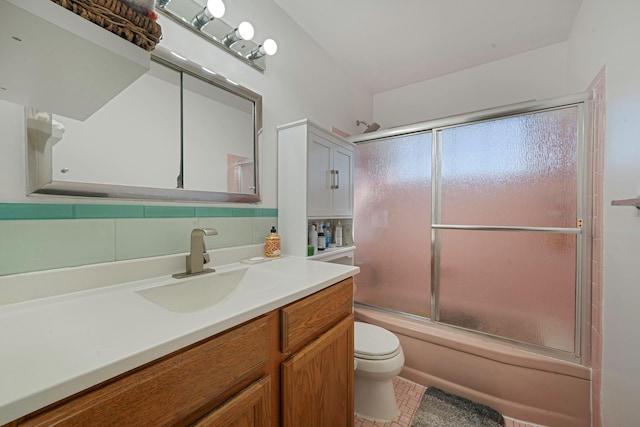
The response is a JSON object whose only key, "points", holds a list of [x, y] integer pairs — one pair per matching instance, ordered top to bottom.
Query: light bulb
{"points": [[216, 8], [245, 30], [270, 47]]}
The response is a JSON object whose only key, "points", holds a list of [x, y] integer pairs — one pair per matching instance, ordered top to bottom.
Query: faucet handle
{"points": [[206, 258]]}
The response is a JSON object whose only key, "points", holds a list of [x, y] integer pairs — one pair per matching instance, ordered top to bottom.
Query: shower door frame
{"points": [[583, 102]]}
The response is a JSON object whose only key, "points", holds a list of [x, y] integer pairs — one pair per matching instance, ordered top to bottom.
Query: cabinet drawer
{"points": [[304, 320], [172, 389]]}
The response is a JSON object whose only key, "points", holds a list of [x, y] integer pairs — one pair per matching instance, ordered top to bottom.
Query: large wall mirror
{"points": [[181, 132]]}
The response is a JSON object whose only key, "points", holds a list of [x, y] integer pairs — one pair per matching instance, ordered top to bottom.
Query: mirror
{"points": [[179, 133]]}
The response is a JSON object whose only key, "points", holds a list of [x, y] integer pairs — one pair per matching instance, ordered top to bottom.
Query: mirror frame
{"points": [[41, 136]]}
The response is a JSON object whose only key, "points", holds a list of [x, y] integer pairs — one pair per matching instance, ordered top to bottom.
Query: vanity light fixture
{"points": [[213, 9], [203, 17], [243, 32], [269, 47]]}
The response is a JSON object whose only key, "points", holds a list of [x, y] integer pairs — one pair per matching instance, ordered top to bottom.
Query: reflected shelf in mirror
{"points": [[180, 133]]}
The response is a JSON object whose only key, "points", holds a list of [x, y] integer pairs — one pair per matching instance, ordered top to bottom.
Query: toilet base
{"points": [[375, 399]]}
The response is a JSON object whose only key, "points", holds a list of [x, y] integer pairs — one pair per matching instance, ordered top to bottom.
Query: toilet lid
{"points": [[374, 342]]}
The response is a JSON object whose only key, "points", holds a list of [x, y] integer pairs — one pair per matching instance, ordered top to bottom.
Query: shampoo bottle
{"points": [[272, 244]]}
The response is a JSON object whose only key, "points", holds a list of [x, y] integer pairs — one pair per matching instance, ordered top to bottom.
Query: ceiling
{"points": [[392, 43]]}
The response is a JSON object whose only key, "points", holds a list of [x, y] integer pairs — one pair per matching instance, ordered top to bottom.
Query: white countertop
{"points": [[56, 346]]}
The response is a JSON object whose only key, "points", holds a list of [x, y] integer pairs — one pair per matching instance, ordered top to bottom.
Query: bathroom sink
{"points": [[196, 293]]}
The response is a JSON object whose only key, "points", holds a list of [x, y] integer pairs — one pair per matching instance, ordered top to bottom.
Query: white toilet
{"points": [[378, 359]]}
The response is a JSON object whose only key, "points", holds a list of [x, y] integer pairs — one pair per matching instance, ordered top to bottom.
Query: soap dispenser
{"points": [[272, 244]]}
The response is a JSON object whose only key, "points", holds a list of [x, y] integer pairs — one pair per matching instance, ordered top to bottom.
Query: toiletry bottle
{"points": [[328, 235], [338, 235], [313, 240], [321, 241], [272, 244]]}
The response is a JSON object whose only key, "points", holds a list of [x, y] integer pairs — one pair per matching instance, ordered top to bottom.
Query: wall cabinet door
{"points": [[330, 179], [343, 182], [320, 193], [317, 381], [249, 408]]}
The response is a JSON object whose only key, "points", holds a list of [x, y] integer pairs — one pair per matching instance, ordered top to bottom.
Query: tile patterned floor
{"points": [[408, 396]]}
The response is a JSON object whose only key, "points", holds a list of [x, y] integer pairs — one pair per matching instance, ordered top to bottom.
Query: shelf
{"points": [[627, 202], [332, 253]]}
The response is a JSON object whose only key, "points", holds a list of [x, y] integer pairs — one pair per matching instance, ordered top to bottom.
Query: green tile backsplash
{"points": [[9, 211], [24, 211], [39, 236]]}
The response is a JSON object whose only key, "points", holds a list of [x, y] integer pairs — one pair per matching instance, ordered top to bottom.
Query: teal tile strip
{"points": [[12, 211], [44, 211], [108, 211], [169, 212], [213, 212], [236, 212], [272, 213]]}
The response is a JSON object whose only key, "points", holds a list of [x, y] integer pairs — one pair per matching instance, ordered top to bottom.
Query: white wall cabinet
{"points": [[315, 181]]}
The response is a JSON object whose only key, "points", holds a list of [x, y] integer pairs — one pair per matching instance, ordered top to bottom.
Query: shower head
{"points": [[370, 127]]}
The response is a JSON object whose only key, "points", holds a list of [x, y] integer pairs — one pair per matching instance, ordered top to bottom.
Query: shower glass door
{"points": [[392, 206], [507, 227], [504, 234]]}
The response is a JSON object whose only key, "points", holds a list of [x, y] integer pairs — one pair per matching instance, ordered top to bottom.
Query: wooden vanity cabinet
{"points": [[290, 367], [317, 377], [175, 390]]}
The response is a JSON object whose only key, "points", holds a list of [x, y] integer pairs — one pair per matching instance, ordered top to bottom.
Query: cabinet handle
{"points": [[333, 179], [337, 179]]}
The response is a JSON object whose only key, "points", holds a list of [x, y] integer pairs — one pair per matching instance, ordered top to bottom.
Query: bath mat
{"points": [[441, 409]]}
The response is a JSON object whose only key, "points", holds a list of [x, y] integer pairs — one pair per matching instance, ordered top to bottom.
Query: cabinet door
{"points": [[320, 163], [343, 182], [317, 382], [249, 408]]}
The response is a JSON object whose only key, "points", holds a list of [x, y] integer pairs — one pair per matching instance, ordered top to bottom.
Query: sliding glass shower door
{"points": [[392, 206], [501, 225]]}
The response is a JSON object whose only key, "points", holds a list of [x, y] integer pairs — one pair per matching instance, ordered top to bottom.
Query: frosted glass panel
{"points": [[518, 170], [392, 223], [519, 285]]}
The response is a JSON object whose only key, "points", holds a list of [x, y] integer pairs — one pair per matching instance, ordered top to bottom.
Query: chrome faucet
{"points": [[198, 256]]}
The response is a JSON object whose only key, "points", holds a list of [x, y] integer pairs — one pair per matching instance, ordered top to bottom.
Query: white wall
{"points": [[607, 32], [537, 74], [300, 81]]}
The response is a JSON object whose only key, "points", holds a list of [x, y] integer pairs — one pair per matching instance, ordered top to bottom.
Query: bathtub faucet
{"points": [[198, 255]]}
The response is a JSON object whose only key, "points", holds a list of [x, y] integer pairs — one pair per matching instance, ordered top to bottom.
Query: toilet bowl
{"points": [[378, 359]]}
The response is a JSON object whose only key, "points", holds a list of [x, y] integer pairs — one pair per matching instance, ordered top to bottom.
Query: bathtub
{"points": [[519, 384]]}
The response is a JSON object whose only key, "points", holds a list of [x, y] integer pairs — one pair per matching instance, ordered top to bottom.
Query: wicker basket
{"points": [[118, 18]]}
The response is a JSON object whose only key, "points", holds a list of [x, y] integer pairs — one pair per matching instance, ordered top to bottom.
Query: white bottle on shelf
{"points": [[313, 235], [338, 235]]}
